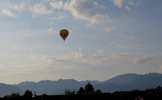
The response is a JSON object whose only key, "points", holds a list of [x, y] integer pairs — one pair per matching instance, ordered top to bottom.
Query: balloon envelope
{"points": [[64, 34]]}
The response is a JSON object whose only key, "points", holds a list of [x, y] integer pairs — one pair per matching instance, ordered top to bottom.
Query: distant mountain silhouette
{"points": [[124, 82], [128, 82], [53, 87], [9, 89]]}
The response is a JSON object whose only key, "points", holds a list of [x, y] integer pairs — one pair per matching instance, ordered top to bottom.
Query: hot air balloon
{"points": [[64, 33]]}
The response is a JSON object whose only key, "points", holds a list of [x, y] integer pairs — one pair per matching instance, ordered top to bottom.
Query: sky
{"points": [[107, 38]]}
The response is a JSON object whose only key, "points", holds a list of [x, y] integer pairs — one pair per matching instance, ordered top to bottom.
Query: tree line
{"points": [[89, 92]]}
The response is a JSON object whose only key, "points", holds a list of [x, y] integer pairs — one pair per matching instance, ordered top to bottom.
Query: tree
{"points": [[89, 89], [81, 91], [98, 91], [68, 92], [28, 94], [12, 96]]}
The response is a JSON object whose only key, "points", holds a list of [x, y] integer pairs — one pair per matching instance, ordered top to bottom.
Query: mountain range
{"points": [[123, 82]]}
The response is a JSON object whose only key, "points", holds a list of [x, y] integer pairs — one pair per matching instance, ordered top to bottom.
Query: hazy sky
{"points": [[107, 38]]}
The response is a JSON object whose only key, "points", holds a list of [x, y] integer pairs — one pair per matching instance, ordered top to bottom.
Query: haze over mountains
{"points": [[119, 83]]}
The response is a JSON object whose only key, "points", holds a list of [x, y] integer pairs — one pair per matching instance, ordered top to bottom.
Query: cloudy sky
{"points": [[107, 38]]}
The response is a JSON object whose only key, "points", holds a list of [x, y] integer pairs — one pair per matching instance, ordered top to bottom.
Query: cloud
{"points": [[118, 3], [57, 4], [41, 7], [35, 9], [89, 10], [96, 10], [93, 11], [7, 12], [99, 12], [50, 31], [120, 56], [78, 57], [103, 59], [144, 60], [149, 60], [151, 63], [161, 68]]}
